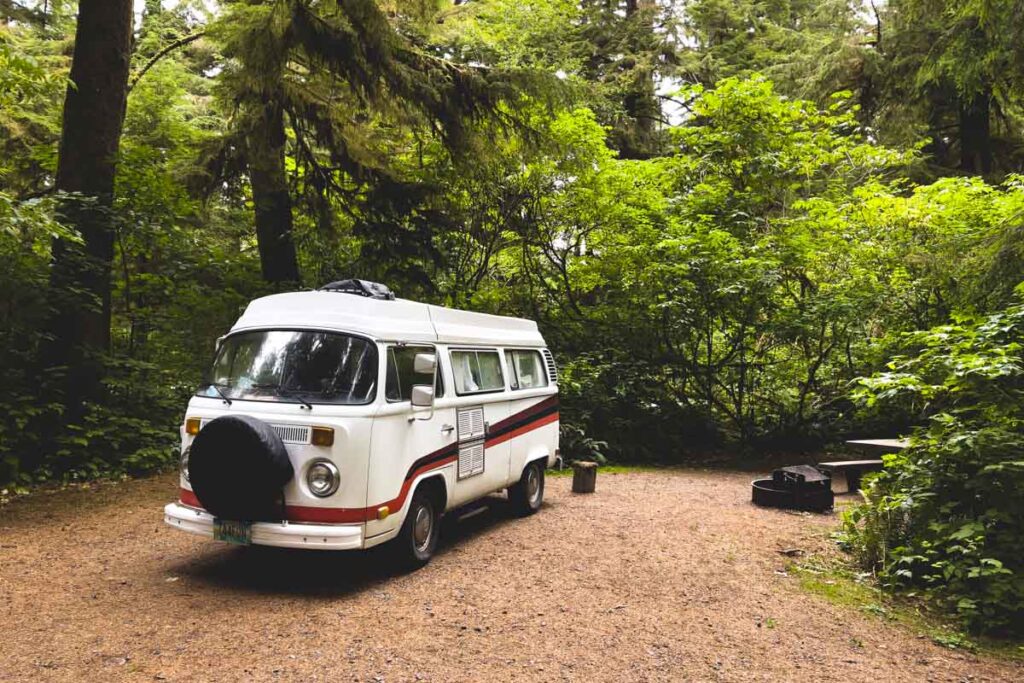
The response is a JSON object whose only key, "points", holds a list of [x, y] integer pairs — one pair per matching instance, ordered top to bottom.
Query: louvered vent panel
{"points": [[549, 360], [471, 424], [288, 433], [292, 433], [471, 459]]}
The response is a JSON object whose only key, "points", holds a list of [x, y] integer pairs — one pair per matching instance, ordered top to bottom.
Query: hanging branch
{"points": [[181, 42]]}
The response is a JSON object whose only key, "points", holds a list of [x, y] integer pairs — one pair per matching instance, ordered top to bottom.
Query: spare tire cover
{"points": [[237, 466]]}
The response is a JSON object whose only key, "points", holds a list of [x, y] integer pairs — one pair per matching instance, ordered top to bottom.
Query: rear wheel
{"points": [[527, 494], [417, 540]]}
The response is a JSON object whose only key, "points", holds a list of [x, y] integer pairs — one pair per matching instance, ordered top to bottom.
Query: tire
{"points": [[238, 466], [527, 495], [417, 540]]}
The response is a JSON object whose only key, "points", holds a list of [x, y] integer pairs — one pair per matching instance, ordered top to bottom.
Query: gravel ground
{"points": [[660, 576]]}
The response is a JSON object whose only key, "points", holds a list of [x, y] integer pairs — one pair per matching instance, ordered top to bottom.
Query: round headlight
{"points": [[183, 465], [322, 478]]}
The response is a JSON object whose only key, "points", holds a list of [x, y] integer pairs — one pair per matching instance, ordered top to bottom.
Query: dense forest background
{"points": [[744, 226]]}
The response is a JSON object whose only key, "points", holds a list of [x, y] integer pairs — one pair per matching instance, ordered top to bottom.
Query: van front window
{"points": [[294, 366]]}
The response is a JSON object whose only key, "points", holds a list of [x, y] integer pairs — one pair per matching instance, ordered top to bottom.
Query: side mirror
{"points": [[424, 364], [422, 394]]}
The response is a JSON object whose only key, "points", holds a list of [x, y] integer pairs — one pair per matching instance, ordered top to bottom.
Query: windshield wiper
{"points": [[216, 387], [284, 393]]}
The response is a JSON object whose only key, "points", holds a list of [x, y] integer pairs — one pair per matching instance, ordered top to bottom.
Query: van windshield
{"points": [[294, 366]]}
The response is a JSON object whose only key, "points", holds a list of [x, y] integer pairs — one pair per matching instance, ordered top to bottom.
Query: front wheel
{"points": [[527, 494], [416, 542]]}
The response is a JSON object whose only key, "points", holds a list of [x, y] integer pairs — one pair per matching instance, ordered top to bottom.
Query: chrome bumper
{"points": [[279, 534]]}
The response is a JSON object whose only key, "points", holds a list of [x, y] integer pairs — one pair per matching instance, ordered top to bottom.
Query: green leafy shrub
{"points": [[133, 431], [576, 446], [947, 515]]}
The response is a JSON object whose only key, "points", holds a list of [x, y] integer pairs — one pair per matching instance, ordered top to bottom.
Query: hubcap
{"points": [[533, 486], [422, 527]]}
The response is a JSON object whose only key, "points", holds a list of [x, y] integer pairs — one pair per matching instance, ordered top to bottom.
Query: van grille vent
{"points": [[549, 360], [471, 424], [289, 433], [292, 433], [471, 459]]}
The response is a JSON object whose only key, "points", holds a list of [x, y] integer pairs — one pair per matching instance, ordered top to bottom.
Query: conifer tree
{"points": [[628, 46], [962, 63], [320, 74], [94, 108]]}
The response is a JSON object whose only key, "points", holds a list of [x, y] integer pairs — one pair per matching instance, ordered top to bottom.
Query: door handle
{"points": [[447, 429]]}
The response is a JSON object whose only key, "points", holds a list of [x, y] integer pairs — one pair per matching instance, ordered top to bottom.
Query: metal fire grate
{"points": [[800, 487]]}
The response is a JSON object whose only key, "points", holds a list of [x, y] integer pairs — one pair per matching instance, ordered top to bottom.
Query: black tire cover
{"points": [[237, 465]]}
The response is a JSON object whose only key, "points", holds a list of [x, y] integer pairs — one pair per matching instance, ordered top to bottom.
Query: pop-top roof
{"points": [[397, 320]]}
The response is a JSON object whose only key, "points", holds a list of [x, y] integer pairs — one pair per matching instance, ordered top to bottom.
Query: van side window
{"points": [[526, 369], [477, 371], [400, 374]]}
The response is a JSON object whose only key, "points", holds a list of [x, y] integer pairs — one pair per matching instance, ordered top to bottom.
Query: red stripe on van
{"points": [[545, 405], [518, 431], [301, 513], [305, 513], [323, 515]]}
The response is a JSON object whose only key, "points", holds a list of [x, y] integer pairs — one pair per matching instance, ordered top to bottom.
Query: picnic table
{"points": [[883, 445], [853, 470]]}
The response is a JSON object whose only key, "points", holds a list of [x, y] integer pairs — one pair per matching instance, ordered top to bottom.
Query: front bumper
{"points": [[279, 534]]}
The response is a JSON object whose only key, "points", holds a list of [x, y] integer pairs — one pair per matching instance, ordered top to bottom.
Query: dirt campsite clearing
{"points": [[659, 576]]}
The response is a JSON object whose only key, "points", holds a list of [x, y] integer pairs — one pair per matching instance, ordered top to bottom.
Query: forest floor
{"points": [[659, 576]]}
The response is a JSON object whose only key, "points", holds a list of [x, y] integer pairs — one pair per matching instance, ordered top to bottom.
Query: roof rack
{"points": [[372, 290]]}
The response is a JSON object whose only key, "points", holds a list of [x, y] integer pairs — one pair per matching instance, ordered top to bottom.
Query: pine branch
{"points": [[181, 42]]}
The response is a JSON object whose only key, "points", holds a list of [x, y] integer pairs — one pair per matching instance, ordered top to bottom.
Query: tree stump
{"points": [[584, 477]]}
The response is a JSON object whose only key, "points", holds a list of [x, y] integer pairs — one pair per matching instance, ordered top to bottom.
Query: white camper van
{"points": [[344, 418]]}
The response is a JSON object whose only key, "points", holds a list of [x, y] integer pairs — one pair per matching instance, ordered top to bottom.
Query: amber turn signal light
{"points": [[192, 425], [322, 436]]}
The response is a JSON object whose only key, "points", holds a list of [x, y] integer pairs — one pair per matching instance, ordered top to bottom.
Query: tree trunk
{"points": [[640, 101], [94, 107], [975, 134], [938, 148], [273, 205], [584, 477]]}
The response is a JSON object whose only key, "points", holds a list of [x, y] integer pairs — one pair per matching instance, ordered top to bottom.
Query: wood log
{"points": [[584, 477]]}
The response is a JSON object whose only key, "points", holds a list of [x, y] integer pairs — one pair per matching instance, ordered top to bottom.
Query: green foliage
{"points": [[806, 46], [972, 50], [32, 81], [720, 217], [712, 266], [182, 269], [737, 292], [578, 447], [947, 515]]}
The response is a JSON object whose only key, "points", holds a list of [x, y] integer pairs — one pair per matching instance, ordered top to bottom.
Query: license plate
{"points": [[239, 533]]}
